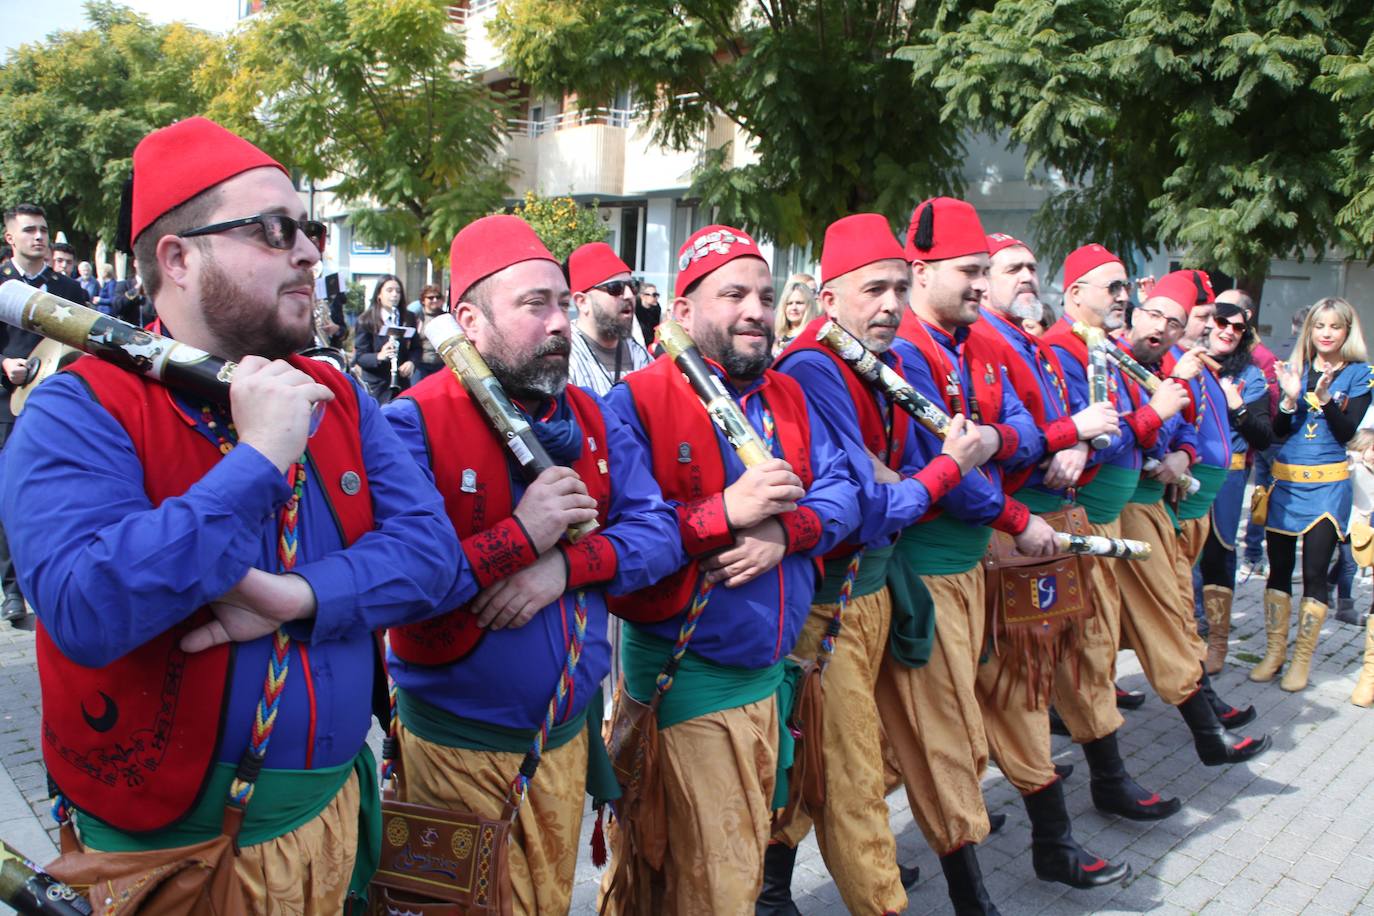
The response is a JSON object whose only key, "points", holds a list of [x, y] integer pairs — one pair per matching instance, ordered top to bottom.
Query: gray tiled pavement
{"points": [[1292, 832]]}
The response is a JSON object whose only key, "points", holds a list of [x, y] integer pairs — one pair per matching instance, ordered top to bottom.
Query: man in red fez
{"points": [[867, 282], [604, 350], [152, 526], [754, 537], [1157, 594], [475, 684]]}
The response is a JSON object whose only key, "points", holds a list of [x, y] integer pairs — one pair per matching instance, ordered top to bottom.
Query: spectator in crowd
{"points": [[26, 234], [64, 259], [86, 277], [809, 280], [105, 300], [128, 302], [799, 308], [648, 313], [380, 346], [604, 350], [429, 360]]}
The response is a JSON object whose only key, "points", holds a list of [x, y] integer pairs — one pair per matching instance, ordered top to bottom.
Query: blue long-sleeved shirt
{"points": [[1212, 429], [1123, 450], [884, 508], [107, 571], [756, 624], [508, 679]]}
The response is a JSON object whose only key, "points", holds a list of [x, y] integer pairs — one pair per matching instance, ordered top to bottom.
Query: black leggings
{"points": [[1318, 546], [1217, 563]]}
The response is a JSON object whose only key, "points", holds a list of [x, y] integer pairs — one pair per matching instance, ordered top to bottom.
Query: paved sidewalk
{"points": [[1292, 832]]}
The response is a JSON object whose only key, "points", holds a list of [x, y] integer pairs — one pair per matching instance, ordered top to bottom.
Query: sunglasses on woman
{"points": [[277, 230], [1238, 325]]}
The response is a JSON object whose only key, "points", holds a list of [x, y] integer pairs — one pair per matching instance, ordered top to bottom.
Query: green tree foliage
{"points": [[1349, 79], [813, 85], [371, 98], [73, 107], [1191, 123], [561, 223]]}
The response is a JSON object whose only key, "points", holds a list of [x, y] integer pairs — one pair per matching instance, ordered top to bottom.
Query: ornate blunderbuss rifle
{"points": [[877, 374], [723, 410], [508, 422]]}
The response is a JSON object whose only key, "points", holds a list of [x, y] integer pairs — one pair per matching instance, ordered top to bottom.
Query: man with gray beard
{"points": [[603, 348]]}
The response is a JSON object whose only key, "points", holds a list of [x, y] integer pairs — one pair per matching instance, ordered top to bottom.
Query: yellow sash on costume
{"points": [[1238, 461], [1311, 473]]}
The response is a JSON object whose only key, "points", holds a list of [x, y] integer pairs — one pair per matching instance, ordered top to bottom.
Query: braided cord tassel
{"points": [[846, 592], [664, 681], [265, 716], [389, 742], [521, 786]]}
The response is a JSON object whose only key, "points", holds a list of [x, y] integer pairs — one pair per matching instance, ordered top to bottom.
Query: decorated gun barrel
{"points": [[126, 345], [171, 362], [881, 376], [1147, 379], [1098, 392], [723, 410], [508, 422], [1187, 481], [1094, 545], [32, 891]]}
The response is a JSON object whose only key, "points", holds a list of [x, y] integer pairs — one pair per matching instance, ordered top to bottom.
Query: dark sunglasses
{"points": [[277, 230], [616, 287], [1114, 288], [652, 295], [436, 298], [1238, 325]]}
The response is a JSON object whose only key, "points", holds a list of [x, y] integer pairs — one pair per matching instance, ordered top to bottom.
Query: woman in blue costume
{"points": [[1326, 389], [1247, 413]]}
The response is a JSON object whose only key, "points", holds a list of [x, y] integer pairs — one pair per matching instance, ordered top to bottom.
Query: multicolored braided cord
{"points": [[846, 592], [664, 682], [265, 716], [389, 743], [521, 786]]}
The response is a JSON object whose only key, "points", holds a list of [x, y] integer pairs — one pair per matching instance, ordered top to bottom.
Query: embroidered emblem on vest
{"points": [[106, 720]]}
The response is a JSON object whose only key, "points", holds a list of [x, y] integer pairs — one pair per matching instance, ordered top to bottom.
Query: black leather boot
{"points": [[1129, 699], [1229, 716], [1214, 746], [1113, 789], [1055, 855], [909, 874], [965, 880], [776, 897]]}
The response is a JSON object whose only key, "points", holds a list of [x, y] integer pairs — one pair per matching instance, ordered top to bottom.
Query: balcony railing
{"points": [[460, 14], [611, 117]]}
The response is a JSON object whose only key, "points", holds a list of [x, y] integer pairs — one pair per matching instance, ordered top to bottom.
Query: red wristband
{"points": [[1060, 434], [1010, 439], [940, 476], [1013, 518], [704, 526], [802, 526], [499, 552], [590, 560]]}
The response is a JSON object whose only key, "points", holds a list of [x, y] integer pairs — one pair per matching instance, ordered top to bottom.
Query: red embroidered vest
{"points": [[982, 361], [688, 463], [473, 475], [146, 769]]}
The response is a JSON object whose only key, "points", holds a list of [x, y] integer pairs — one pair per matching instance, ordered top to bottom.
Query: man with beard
{"points": [[866, 291], [604, 350], [151, 526], [755, 537], [1157, 611], [474, 685], [931, 714]]}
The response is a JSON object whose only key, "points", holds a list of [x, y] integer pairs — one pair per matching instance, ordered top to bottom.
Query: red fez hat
{"points": [[176, 163], [944, 228], [1000, 240], [857, 241], [487, 245], [708, 249], [1082, 260], [591, 264], [1186, 287]]}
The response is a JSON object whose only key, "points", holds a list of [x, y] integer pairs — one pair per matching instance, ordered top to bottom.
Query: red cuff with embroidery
{"points": [[1145, 424], [1060, 434], [1010, 440], [1188, 450], [940, 476], [1013, 518], [703, 525], [802, 526], [499, 552], [590, 560]]}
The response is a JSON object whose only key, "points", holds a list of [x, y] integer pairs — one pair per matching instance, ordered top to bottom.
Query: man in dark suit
{"points": [[26, 232]]}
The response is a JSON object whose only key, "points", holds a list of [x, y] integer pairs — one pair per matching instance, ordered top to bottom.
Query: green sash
{"points": [[1148, 490], [1107, 494], [1040, 502], [1200, 503], [945, 546], [871, 577], [912, 632], [700, 687], [440, 727], [787, 744], [282, 801]]}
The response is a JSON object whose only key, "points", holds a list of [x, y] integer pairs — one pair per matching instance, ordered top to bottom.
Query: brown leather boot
{"points": [[1216, 602], [1278, 609], [1311, 616], [1364, 687]]}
